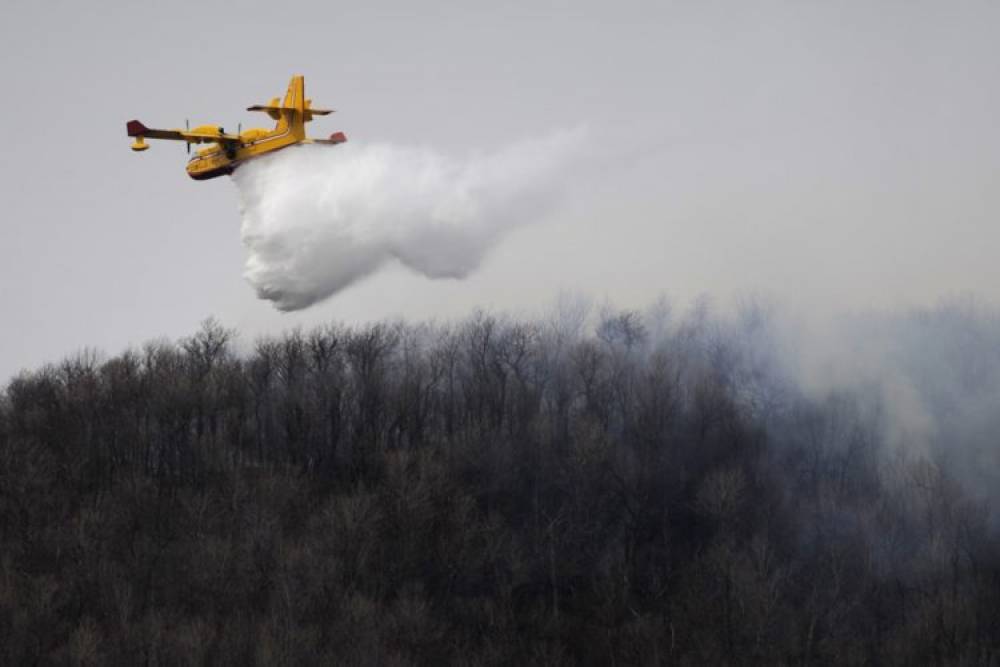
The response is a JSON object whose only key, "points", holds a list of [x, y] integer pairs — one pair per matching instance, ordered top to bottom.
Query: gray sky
{"points": [[831, 154]]}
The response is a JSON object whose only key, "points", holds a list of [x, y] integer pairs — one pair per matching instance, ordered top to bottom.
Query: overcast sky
{"points": [[835, 155]]}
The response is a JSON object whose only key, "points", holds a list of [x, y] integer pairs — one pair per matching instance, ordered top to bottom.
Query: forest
{"points": [[595, 487]]}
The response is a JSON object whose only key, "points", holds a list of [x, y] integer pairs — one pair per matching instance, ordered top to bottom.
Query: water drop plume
{"points": [[317, 219]]}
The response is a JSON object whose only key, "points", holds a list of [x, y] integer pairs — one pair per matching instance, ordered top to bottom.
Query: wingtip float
{"points": [[223, 152]]}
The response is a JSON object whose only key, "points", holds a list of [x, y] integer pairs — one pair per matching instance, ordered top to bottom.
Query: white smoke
{"points": [[317, 219]]}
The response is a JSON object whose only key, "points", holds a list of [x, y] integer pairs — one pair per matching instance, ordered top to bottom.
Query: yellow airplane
{"points": [[225, 152]]}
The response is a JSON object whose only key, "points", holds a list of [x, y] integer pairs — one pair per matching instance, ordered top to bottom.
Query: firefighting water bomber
{"points": [[225, 152]]}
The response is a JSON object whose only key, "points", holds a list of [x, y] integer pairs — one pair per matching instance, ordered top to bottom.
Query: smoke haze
{"points": [[316, 220], [923, 381]]}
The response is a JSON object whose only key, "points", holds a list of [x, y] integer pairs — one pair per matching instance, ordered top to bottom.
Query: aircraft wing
{"points": [[137, 129], [164, 134]]}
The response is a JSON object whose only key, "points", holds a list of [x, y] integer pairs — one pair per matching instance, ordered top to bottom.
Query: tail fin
{"points": [[295, 98], [293, 108], [295, 111]]}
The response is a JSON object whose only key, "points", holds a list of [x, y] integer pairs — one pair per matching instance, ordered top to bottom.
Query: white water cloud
{"points": [[317, 219]]}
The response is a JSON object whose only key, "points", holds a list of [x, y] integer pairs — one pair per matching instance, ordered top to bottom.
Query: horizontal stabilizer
{"points": [[267, 108], [335, 138]]}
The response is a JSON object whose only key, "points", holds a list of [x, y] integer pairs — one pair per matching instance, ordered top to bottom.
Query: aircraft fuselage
{"points": [[213, 160]]}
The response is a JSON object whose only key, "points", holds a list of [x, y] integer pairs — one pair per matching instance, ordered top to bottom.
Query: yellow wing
{"points": [[199, 135]]}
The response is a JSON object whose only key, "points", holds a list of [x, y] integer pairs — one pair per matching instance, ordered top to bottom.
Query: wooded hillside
{"points": [[497, 491]]}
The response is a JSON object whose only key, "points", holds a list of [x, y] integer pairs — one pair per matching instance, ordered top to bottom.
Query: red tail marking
{"points": [[135, 128]]}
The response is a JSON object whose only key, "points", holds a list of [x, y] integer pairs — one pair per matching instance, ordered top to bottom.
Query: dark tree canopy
{"points": [[493, 492]]}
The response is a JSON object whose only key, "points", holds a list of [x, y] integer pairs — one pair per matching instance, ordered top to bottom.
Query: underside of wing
{"points": [[137, 129], [199, 135]]}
